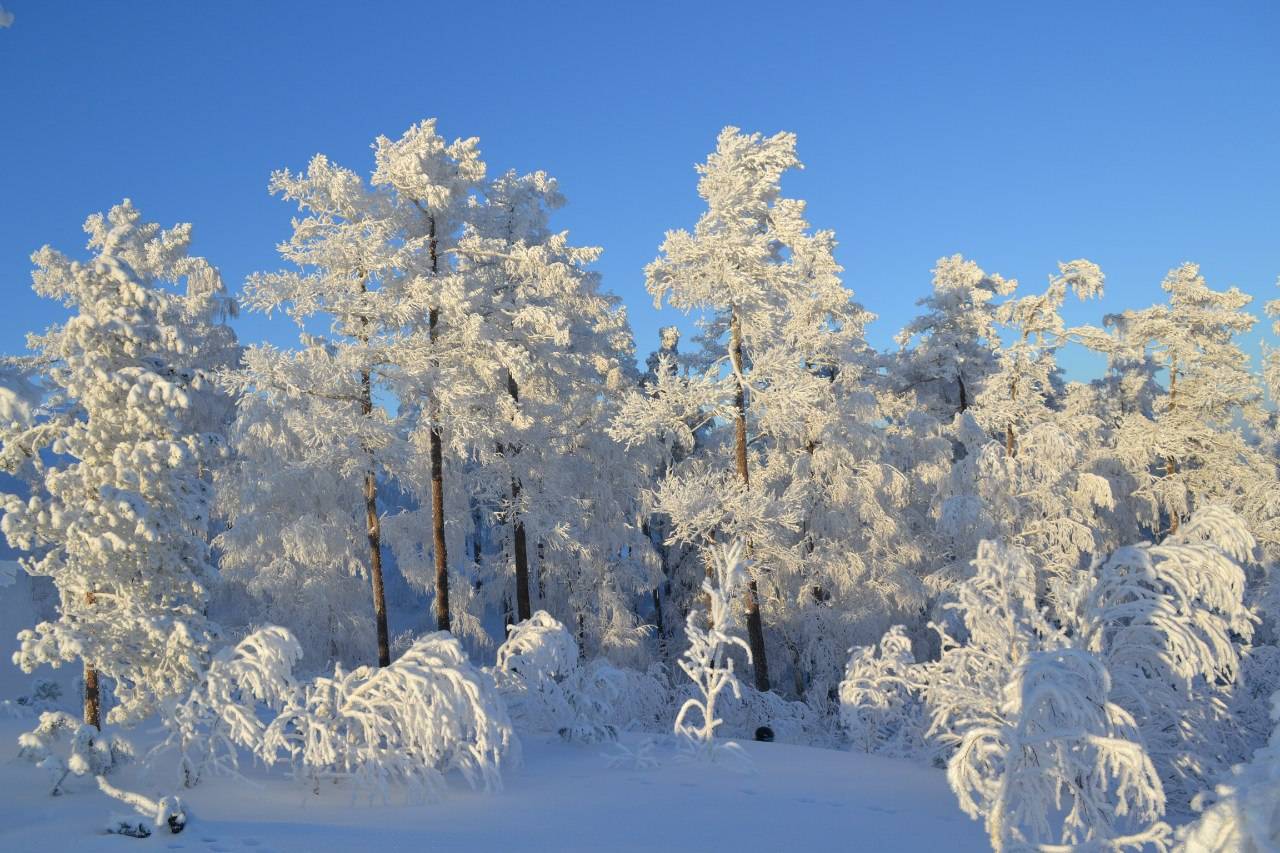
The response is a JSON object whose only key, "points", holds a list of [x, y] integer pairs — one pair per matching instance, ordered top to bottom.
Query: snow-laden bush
{"points": [[1170, 623], [1001, 625], [539, 650], [706, 661], [546, 689], [880, 704], [221, 715], [408, 724], [63, 746], [1066, 766], [1246, 816]]}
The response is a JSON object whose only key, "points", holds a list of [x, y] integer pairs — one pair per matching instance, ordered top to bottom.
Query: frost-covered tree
{"points": [[430, 184], [776, 324], [948, 354], [561, 356], [1018, 394], [311, 415], [1181, 440], [120, 523], [1170, 623], [706, 661], [548, 688], [880, 707], [221, 716], [404, 726], [1067, 768], [1245, 816]]}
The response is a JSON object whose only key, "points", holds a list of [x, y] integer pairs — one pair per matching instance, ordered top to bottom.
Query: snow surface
{"points": [[565, 797]]}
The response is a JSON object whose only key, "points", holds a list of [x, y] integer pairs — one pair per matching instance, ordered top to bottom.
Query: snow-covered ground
{"points": [[564, 797]]}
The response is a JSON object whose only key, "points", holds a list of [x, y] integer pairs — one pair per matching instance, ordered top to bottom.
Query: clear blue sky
{"points": [[1138, 135]]}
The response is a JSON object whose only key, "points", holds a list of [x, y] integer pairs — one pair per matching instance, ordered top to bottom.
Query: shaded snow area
{"points": [[564, 797]]}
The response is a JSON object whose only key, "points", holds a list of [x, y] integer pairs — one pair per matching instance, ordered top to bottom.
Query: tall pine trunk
{"points": [[437, 470], [437, 507], [373, 524], [374, 530], [519, 541], [755, 626], [92, 696]]}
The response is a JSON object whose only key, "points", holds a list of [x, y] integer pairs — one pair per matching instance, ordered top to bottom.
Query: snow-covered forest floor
{"points": [[564, 797]]}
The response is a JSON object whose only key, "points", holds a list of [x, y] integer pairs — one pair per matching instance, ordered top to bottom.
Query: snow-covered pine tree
{"points": [[775, 318], [562, 354], [948, 354], [444, 360], [1019, 393], [312, 416], [134, 426], [1181, 443]]}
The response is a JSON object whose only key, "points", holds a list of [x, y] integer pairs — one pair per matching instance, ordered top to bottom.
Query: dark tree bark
{"points": [[437, 468], [373, 524], [374, 530], [520, 544], [755, 625], [92, 698]]}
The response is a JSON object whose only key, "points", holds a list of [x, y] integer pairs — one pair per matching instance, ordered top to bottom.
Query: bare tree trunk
{"points": [[437, 470], [372, 522], [519, 542], [375, 567], [755, 625], [92, 698]]}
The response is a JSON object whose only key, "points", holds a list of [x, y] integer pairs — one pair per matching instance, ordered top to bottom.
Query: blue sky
{"points": [[1138, 135]]}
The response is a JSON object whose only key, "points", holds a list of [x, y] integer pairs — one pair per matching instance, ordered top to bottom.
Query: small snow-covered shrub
{"points": [[1170, 623], [539, 649], [706, 661], [546, 689], [880, 705], [221, 715], [408, 724], [63, 746], [1065, 767]]}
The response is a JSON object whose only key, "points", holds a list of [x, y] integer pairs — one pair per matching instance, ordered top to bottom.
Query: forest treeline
{"points": [[462, 440]]}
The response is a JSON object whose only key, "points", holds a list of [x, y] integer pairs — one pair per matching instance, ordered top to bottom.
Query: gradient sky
{"points": [[1137, 135]]}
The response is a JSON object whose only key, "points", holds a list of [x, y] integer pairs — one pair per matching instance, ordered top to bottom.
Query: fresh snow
{"points": [[565, 797]]}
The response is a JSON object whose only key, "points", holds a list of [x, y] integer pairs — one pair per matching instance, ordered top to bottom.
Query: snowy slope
{"points": [[564, 798]]}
